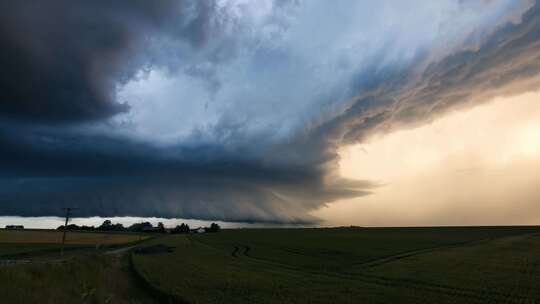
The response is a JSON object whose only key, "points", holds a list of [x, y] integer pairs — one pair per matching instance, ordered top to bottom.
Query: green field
{"points": [[327, 265], [377, 265]]}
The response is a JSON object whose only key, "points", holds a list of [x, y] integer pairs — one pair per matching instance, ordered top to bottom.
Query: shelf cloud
{"points": [[233, 110]]}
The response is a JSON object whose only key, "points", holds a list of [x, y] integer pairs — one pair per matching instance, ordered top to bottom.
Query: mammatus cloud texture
{"points": [[233, 110]]}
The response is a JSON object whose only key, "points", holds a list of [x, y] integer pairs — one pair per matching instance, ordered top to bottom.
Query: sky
{"points": [[271, 112], [473, 167]]}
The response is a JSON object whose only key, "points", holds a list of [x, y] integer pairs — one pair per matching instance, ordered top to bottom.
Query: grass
{"points": [[378, 265], [80, 276], [88, 278]]}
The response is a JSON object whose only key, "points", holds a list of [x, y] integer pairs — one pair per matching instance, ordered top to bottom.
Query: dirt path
{"points": [[120, 250]]}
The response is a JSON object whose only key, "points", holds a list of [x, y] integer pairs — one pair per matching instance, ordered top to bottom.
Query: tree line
{"points": [[107, 225]]}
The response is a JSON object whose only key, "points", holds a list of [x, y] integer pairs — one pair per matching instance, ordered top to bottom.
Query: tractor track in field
{"points": [[238, 250], [235, 251], [407, 254], [402, 255], [391, 258], [453, 291], [470, 293]]}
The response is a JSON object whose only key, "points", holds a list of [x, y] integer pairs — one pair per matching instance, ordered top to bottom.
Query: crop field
{"points": [[72, 237], [23, 241], [350, 265]]}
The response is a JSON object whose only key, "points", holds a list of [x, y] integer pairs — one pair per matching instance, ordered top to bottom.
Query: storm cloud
{"points": [[62, 60], [232, 110]]}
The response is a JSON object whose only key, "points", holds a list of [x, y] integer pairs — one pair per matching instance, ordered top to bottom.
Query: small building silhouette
{"points": [[14, 227], [198, 230]]}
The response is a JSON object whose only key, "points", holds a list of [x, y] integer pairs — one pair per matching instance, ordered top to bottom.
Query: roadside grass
{"points": [[433, 265], [87, 278]]}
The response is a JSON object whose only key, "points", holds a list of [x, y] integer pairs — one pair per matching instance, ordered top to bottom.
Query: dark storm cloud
{"points": [[62, 62], [505, 63], [117, 177], [228, 198]]}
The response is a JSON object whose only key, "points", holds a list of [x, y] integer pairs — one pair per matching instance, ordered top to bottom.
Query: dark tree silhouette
{"points": [[106, 226], [138, 227], [161, 227], [183, 228], [213, 228]]}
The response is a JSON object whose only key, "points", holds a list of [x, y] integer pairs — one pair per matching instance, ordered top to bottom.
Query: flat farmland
{"points": [[72, 237], [23, 241], [350, 265], [505, 270]]}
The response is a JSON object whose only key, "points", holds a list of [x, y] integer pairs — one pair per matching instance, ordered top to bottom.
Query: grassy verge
{"points": [[91, 278]]}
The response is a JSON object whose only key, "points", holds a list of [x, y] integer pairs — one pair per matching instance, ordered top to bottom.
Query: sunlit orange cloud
{"points": [[473, 167]]}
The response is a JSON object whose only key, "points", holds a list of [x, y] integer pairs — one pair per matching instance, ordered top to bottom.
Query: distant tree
{"points": [[106, 226], [109, 226], [69, 227], [72, 227], [75, 227], [117, 227], [139, 227], [161, 227], [88, 228], [183, 228], [213, 228]]}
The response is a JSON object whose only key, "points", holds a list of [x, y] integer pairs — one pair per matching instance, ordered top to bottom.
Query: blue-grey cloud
{"points": [[62, 60], [233, 110]]}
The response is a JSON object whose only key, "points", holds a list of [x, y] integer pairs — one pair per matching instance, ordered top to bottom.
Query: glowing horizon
{"points": [[470, 167]]}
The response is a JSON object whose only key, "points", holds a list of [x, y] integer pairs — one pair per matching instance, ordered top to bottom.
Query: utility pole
{"points": [[68, 213], [140, 232]]}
